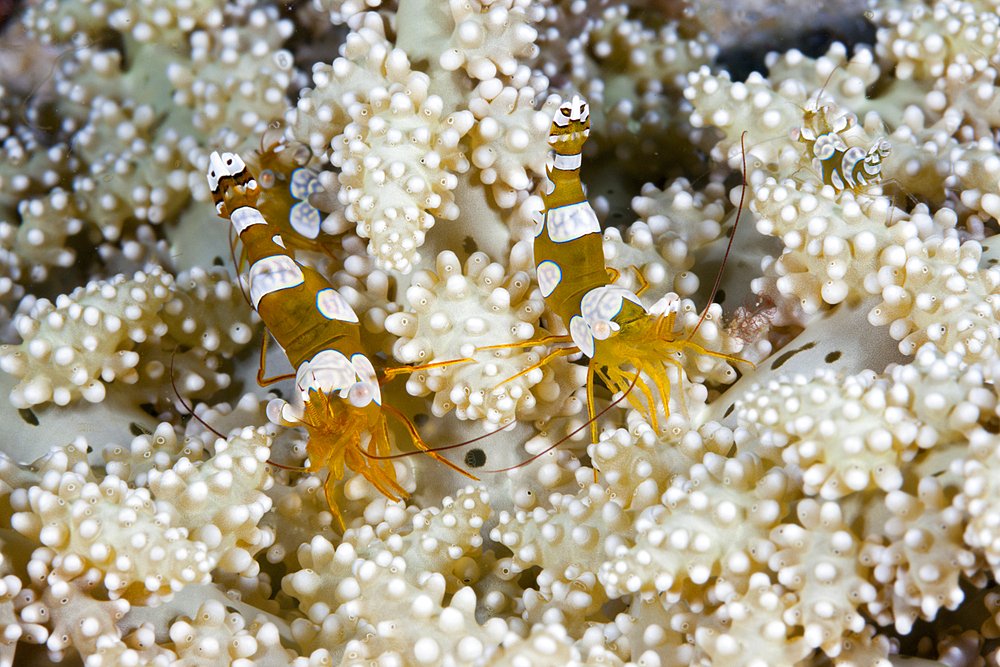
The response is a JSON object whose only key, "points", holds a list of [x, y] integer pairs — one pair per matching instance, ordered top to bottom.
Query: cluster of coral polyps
{"points": [[836, 501]]}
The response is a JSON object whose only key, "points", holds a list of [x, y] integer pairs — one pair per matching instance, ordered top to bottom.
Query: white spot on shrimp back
{"points": [[304, 183], [245, 216], [305, 220], [570, 222], [271, 274], [549, 277], [603, 303], [332, 306], [579, 331], [327, 372], [366, 376]]}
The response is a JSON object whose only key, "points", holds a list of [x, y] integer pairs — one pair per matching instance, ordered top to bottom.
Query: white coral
{"points": [[489, 36], [399, 158], [456, 311], [71, 348]]}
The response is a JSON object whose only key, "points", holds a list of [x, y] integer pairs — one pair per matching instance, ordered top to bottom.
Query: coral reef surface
{"points": [[834, 499]]}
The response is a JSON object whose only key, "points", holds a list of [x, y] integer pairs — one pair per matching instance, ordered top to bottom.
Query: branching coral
{"points": [[455, 311], [84, 338], [793, 515]]}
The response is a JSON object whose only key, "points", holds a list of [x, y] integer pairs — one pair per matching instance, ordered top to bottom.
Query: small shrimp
{"points": [[285, 183], [607, 323], [340, 395]]}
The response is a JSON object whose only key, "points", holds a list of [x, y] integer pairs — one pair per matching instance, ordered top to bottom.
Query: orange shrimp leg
{"points": [[393, 371], [261, 380]]}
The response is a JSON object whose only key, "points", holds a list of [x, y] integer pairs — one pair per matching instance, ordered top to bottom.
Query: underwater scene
{"points": [[499, 332]]}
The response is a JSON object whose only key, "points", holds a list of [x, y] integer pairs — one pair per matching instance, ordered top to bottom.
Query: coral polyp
{"points": [[833, 501]]}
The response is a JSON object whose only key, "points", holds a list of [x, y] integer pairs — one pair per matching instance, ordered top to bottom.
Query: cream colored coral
{"points": [[340, 11], [145, 22], [489, 37], [924, 42], [368, 62], [237, 78], [509, 138], [398, 158], [138, 170], [29, 184], [678, 220], [831, 241], [39, 242], [935, 291], [208, 311], [455, 312], [85, 339], [846, 434], [134, 460], [637, 464], [980, 496], [221, 501], [713, 523], [115, 529], [575, 536], [142, 551], [817, 559], [918, 562], [373, 594], [80, 621], [749, 629], [216, 636], [549, 645]]}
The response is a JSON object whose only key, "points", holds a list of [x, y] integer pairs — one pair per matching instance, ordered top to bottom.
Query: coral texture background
{"points": [[833, 500]]}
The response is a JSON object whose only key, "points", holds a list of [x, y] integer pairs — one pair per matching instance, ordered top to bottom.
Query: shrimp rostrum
{"points": [[606, 322], [340, 397]]}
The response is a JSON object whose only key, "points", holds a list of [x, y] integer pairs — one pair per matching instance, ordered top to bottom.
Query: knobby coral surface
{"points": [[835, 498]]}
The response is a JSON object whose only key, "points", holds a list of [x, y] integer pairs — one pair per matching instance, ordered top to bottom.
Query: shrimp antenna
{"points": [[732, 236], [186, 406], [579, 428], [443, 448]]}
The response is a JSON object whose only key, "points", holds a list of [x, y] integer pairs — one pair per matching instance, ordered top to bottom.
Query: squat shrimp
{"points": [[607, 323], [320, 334]]}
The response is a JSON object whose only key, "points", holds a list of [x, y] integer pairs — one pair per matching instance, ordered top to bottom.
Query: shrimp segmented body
{"points": [[832, 159], [606, 322], [340, 395]]}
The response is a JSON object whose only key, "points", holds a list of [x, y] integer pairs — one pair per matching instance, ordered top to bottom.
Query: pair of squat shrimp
{"points": [[320, 334]]}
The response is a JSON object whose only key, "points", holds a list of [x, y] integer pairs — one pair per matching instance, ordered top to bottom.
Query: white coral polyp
{"points": [[489, 37], [509, 138], [398, 159], [935, 291], [454, 312], [85, 339]]}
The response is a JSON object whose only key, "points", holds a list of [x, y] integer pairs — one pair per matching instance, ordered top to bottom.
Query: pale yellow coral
{"points": [[489, 37], [368, 62], [236, 79], [509, 138], [398, 158], [456, 311], [85, 339], [711, 525], [918, 562], [374, 594]]}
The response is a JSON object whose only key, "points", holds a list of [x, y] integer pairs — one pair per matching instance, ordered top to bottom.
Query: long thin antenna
{"points": [[732, 236], [186, 406], [582, 426], [440, 449]]}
